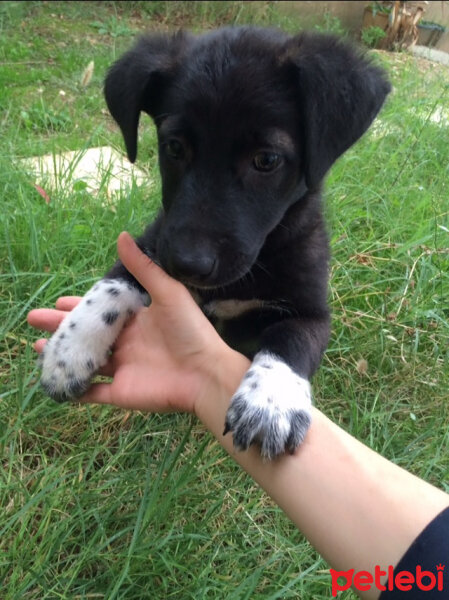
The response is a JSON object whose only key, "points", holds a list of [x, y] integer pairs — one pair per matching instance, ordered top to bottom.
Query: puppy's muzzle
{"points": [[204, 261], [191, 265]]}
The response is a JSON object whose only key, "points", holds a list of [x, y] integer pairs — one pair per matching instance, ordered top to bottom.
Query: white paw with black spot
{"points": [[81, 344], [272, 407]]}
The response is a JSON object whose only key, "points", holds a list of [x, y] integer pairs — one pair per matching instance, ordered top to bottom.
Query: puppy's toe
{"points": [[67, 365], [66, 389], [272, 408], [299, 425]]}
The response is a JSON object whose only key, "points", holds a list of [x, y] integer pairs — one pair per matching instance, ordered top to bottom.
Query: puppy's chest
{"points": [[236, 301], [230, 308], [240, 316], [238, 322], [241, 322]]}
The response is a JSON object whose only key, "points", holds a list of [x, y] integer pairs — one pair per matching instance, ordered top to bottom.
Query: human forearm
{"points": [[358, 509]]}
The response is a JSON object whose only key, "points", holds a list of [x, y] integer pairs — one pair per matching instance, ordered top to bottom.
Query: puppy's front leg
{"points": [[81, 344], [272, 406]]}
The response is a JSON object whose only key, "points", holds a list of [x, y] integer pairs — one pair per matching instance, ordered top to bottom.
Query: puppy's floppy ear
{"points": [[137, 81], [339, 92]]}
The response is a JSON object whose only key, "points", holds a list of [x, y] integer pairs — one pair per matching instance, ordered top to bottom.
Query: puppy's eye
{"points": [[174, 149], [266, 161]]}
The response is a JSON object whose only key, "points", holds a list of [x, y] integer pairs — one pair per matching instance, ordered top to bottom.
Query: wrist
{"points": [[223, 372]]}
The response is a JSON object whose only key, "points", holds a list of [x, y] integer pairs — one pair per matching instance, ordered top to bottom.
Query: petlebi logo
{"points": [[404, 581]]}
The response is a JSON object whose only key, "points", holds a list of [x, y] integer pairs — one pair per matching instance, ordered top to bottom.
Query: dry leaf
{"points": [[87, 74], [42, 192], [362, 366]]}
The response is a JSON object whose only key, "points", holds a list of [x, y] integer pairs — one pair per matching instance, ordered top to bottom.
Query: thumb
{"points": [[161, 287]]}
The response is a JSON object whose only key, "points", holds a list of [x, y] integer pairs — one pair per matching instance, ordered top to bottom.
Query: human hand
{"points": [[168, 357]]}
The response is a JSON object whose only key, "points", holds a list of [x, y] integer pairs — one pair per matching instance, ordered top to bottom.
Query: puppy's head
{"points": [[248, 120]]}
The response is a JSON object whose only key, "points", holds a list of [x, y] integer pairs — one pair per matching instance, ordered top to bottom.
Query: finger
{"points": [[161, 287], [67, 303], [47, 319], [39, 345], [107, 370], [98, 393], [110, 393]]}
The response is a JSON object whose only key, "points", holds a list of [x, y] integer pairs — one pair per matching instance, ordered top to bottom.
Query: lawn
{"points": [[102, 503]]}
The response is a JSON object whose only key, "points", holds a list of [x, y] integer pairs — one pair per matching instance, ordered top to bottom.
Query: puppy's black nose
{"points": [[191, 266]]}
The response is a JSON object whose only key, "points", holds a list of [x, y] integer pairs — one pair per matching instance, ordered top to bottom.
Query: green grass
{"points": [[101, 503]]}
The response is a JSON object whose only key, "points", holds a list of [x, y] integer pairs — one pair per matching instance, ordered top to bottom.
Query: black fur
{"points": [[249, 121], [226, 229]]}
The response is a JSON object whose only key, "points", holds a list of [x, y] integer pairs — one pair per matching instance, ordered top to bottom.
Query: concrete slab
{"points": [[431, 54], [100, 169]]}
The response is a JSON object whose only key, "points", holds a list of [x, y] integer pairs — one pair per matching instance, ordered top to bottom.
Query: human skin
{"points": [[356, 508]]}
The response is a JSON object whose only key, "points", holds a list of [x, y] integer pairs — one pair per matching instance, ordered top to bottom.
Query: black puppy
{"points": [[249, 121]]}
